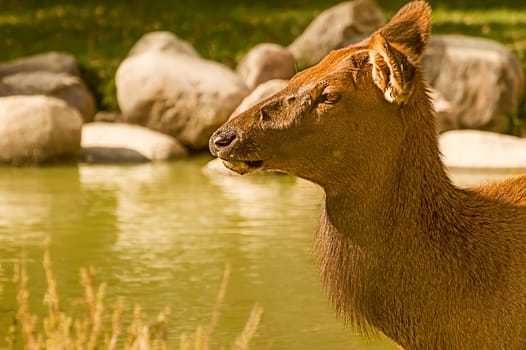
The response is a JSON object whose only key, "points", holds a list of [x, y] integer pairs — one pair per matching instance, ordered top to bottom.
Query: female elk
{"points": [[400, 248]]}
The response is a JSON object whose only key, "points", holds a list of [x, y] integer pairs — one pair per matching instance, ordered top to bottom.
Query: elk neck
{"points": [[403, 195]]}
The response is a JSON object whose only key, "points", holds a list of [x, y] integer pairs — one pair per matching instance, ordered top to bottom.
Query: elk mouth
{"points": [[243, 166]]}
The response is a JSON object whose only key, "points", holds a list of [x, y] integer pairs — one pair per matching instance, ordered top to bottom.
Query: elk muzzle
{"points": [[223, 143]]}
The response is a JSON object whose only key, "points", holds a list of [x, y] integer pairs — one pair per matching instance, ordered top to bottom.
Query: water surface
{"points": [[160, 235]]}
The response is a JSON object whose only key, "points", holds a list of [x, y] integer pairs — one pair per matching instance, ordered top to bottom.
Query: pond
{"points": [[160, 235]]}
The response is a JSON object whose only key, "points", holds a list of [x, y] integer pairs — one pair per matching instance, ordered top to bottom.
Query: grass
{"points": [[100, 33], [98, 326]]}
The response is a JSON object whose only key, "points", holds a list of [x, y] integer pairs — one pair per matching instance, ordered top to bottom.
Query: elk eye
{"points": [[330, 97], [264, 115]]}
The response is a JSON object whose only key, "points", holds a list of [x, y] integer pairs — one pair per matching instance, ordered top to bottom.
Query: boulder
{"points": [[336, 27], [162, 41], [56, 62], [266, 62], [481, 79], [66, 87], [260, 93], [178, 94], [441, 106], [38, 129], [125, 143], [482, 150]]}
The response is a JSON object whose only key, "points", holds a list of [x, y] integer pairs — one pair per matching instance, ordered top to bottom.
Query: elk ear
{"points": [[409, 30], [397, 47], [392, 72]]}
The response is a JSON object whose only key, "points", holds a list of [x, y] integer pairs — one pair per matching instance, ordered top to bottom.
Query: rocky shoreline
{"points": [[171, 99]]}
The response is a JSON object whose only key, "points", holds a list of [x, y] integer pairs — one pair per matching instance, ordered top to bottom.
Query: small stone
{"points": [[337, 27], [55, 62], [265, 62], [66, 87], [125, 143]]}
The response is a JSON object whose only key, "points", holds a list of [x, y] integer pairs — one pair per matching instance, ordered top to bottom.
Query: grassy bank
{"points": [[101, 33], [91, 323]]}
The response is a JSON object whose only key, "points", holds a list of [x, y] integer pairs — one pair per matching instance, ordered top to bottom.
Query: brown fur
{"points": [[400, 248]]}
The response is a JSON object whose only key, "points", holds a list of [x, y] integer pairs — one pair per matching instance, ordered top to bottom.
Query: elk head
{"points": [[344, 115]]}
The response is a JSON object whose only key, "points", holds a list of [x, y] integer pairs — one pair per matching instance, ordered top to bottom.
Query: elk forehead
{"points": [[337, 65]]}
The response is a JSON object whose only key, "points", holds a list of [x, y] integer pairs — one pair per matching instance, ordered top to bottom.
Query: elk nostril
{"points": [[224, 138]]}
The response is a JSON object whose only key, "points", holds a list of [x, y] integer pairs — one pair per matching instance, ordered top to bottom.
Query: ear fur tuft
{"points": [[391, 71]]}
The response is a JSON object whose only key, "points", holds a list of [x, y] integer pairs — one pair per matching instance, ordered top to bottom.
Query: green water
{"points": [[160, 235]]}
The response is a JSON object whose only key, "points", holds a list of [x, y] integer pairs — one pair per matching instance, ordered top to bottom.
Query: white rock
{"points": [[339, 26], [162, 41], [266, 62], [481, 79], [66, 87], [180, 95], [38, 129], [119, 142], [482, 149]]}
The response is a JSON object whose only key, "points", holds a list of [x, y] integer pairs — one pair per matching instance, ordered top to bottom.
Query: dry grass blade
{"points": [[1, 275], [51, 297], [95, 304], [217, 307], [25, 319], [116, 325], [57, 326], [159, 328], [134, 330], [10, 338], [243, 340], [198, 341], [185, 342]]}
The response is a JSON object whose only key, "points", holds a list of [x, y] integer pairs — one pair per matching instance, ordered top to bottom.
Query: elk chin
{"points": [[243, 167]]}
